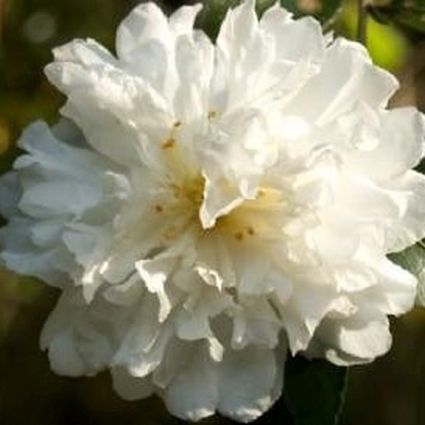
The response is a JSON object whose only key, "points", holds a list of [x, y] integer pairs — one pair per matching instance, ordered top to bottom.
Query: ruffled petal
{"points": [[346, 76], [357, 339], [247, 382], [129, 387], [193, 393]]}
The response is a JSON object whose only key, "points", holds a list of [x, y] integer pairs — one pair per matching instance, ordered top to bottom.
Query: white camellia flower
{"points": [[204, 207]]}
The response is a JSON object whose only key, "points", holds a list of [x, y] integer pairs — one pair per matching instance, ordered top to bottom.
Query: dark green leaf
{"points": [[213, 14], [409, 14], [413, 260], [314, 390]]}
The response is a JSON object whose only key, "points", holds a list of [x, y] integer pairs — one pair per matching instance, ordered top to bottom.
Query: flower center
{"points": [[253, 218]]}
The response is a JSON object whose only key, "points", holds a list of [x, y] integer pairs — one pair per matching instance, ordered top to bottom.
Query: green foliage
{"points": [[213, 14], [409, 14], [379, 37], [413, 260], [314, 391]]}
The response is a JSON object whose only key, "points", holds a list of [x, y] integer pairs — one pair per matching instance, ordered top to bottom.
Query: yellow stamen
{"points": [[169, 143]]}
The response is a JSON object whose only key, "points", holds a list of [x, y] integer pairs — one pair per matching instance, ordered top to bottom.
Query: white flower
{"points": [[205, 206]]}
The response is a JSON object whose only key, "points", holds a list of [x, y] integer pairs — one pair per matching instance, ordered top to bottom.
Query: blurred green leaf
{"points": [[213, 14], [409, 14], [379, 37], [413, 260], [314, 390]]}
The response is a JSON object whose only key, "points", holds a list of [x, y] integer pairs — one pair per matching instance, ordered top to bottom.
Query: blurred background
{"points": [[391, 391]]}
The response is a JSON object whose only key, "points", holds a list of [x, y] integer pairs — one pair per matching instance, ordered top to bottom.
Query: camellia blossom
{"points": [[204, 207]]}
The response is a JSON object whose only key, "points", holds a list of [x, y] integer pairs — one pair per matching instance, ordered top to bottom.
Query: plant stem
{"points": [[362, 16]]}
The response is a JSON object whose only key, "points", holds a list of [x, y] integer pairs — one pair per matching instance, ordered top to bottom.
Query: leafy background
{"points": [[391, 391]]}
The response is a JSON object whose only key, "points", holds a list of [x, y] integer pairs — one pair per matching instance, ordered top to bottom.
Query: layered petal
{"points": [[206, 207]]}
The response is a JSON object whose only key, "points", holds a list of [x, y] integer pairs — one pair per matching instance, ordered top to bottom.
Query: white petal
{"points": [[274, 17], [182, 20], [145, 23], [237, 29], [305, 35], [70, 61], [194, 65], [347, 76], [102, 124], [400, 147], [362, 196], [220, 197], [46, 200], [409, 227], [21, 255], [155, 273], [394, 292], [126, 294], [309, 304], [193, 320], [256, 323], [58, 337], [355, 340], [143, 346], [64, 357], [247, 382], [129, 387], [193, 394]]}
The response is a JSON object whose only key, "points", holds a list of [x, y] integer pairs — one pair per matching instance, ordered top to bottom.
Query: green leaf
{"points": [[324, 10], [409, 14], [212, 15], [379, 36], [413, 260], [314, 390]]}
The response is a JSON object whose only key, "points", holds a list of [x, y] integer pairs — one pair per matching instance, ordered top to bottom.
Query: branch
{"points": [[362, 17]]}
